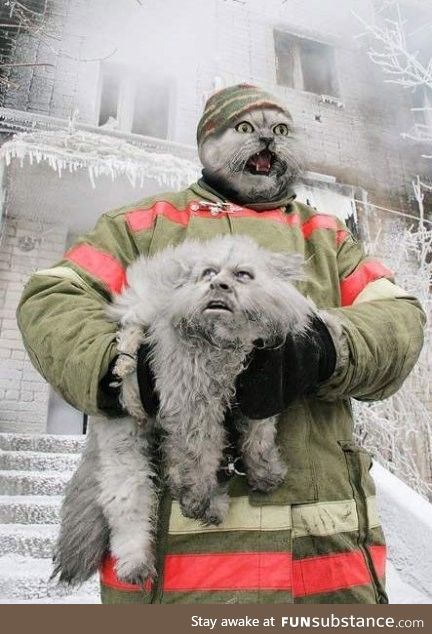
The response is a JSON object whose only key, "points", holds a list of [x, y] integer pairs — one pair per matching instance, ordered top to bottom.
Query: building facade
{"points": [[99, 106]]}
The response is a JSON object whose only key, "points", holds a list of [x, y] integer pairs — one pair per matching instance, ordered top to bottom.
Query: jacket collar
{"points": [[206, 192]]}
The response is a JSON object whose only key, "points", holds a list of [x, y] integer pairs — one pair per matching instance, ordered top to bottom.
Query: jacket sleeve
{"points": [[62, 314], [378, 330]]}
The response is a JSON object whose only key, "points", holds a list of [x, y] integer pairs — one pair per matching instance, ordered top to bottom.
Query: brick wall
{"points": [[23, 392]]}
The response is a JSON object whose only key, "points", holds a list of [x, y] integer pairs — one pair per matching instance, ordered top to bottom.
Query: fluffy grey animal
{"points": [[201, 307]]}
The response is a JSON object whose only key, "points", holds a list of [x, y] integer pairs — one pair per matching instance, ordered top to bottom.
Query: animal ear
{"points": [[287, 265], [180, 272]]}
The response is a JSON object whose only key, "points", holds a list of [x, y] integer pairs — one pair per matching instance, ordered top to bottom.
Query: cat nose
{"points": [[266, 139]]}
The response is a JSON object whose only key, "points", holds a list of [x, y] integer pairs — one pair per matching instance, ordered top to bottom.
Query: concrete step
{"points": [[45, 443], [38, 461], [33, 483], [30, 509], [27, 540], [27, 579]]}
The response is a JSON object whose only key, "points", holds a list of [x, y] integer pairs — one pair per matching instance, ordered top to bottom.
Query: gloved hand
{"points": [[275, 377], [146, 383]]}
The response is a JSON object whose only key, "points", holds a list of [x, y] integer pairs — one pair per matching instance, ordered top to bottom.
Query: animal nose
{"points": [[266, 139]]}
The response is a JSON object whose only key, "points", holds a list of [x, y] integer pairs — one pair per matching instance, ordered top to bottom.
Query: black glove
{"points": [[275, 377], [146, 382], [110, 385]]}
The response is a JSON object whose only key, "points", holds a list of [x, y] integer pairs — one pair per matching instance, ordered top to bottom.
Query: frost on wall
{"points": [[101, 155], [398, 430]]}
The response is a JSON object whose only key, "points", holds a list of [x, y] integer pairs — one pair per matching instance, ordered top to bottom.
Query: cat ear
{"points": [[287, 265], [180, 268]]}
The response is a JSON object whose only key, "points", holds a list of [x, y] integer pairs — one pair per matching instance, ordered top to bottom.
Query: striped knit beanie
{"points": [[229, 102]]}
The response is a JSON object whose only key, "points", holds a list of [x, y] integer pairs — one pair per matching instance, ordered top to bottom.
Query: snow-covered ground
{"points": [[33, 473]]}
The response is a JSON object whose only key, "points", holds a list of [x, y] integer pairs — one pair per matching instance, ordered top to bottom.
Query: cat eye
{"points": [[244, 127], [281, 129], [209, 274], [244, 275]]}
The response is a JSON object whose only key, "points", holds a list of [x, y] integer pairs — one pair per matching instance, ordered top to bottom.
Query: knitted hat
{"points": [[229, 102]]}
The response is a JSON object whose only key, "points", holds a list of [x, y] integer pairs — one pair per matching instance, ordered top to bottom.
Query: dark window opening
{"points": [[285, 57], [305, 64], [109, 97], [138, 103], [151, 110]]}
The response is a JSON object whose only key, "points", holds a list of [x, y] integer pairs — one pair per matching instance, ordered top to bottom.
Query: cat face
{"points": [[256, 157]]}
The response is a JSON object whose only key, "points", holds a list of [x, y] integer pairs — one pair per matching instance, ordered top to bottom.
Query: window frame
{"points": [[298, 79], [127, 94]]}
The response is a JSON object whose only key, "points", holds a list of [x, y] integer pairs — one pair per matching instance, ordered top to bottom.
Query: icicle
{"points": [[100, 155], [91, 176]]}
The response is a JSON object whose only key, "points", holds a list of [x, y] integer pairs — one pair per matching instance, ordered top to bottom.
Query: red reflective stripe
{"points": [[141, 219], [318, 222], [341, 235], [99, 264], [352, 286], [379, 557], [228, 571], [271, 571], [328, 573], [108, 577]]}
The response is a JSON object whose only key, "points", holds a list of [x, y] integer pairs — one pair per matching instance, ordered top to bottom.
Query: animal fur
{"points": [[227, 155], [201, 307]]}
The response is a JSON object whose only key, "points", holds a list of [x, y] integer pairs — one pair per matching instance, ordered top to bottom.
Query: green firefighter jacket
{"points": [[69, 339]]}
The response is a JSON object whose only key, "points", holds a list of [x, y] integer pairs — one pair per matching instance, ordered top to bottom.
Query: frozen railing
{"points": [[68, 146]]}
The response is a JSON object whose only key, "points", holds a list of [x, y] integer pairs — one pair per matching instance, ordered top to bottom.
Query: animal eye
{"points": [[244, 127], [281, 129], [209, 274], [244, 275]]}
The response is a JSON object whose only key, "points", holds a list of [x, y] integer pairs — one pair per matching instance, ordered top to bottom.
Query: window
{"points": [[305, 64], [132, 102], [422, 108]]}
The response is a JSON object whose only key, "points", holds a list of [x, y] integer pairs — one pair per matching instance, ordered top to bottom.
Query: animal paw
{"points": [[266, 479], [207, 510], [216, 511], [135, 572]]}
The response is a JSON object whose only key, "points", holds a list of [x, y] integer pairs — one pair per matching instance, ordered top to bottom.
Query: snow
{"points": [[71, 149], [41, 442], [39, 461], [29, 482], [30, 509], [407, 524], [32, 540], [25, 579], [401, 592]]}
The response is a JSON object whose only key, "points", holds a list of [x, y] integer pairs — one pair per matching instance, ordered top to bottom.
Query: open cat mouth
{"points": [[261, 162]]}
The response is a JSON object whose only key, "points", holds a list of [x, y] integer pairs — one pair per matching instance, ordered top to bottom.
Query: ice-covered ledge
{"points": [[68, 146], [407, 523]]}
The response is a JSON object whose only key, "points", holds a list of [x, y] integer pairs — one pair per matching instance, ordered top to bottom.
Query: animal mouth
{"points": [[261, 162], [218, 304]]}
